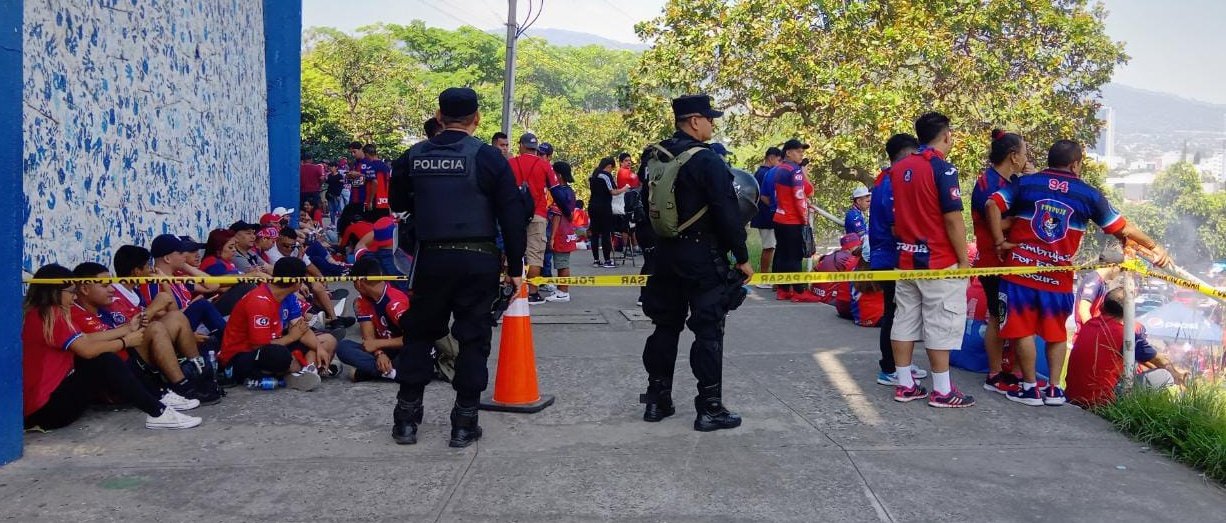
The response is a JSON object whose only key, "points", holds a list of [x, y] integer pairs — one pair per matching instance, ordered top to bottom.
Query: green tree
{"points": [[846, 75], [1178, 184]]}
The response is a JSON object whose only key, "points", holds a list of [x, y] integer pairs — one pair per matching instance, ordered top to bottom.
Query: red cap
{"points": [[270, 219], [850, 241]]}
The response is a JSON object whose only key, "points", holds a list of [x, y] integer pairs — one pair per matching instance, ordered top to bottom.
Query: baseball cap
{"points": [[457, 102], [694, 104], [529, 140], [794, 144], [545, 148], [719, 149], [859, 192], [282, 211], [270, 219], [244, 226], [385, 228], [268, 232], [850, 241], [165, 244], [190, 244]]}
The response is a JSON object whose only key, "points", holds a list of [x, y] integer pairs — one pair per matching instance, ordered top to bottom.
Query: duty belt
{"points": [[482, 247]]}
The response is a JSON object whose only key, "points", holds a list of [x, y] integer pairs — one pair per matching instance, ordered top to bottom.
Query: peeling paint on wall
{"points": [[141, 117]]}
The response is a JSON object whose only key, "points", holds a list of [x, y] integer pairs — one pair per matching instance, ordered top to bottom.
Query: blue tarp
{"points": [[1178, 322]]}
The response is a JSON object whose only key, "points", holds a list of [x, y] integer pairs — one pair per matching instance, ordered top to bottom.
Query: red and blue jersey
{"points": [[379, 174], [988, 183], [925, 188], [791, 194], [1051, 210], [883, 245], [218, 267], [1094, 290], [149, 291], [125, 306], [384, 313]]}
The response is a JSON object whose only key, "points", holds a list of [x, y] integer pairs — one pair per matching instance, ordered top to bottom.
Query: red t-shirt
{"points": [[534, 171], [310, 177], [627, 177], [925, 188], [792, 191], [355, 232], [564, 238], [124, 307], [385, 313], [90, 322], [254, 322], [1096, 362], [44, 364]]}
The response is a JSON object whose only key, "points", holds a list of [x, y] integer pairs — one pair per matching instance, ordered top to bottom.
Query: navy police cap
{"points": [[457, 102], [694, 105]]}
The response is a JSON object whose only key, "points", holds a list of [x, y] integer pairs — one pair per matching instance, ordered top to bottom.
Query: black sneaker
{"points": [[338, 294], [535, 299], [341, 322]]}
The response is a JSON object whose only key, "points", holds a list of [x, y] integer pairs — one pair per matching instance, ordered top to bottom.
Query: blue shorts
{"points": [[1032, 312]]}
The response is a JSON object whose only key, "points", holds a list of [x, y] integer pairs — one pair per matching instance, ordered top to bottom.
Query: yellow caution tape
{"points": [[1136, 266], [788, 278], [220, 280]]}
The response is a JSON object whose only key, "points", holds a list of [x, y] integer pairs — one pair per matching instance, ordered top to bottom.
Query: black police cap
{"points": [[457, 102], [694, 105]]}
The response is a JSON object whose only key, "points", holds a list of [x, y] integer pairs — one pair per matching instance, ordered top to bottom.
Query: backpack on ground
{"points": [[662, 198]]}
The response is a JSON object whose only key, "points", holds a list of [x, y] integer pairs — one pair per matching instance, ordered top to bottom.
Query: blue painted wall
{"points": [[282, 61], [12, 218]]}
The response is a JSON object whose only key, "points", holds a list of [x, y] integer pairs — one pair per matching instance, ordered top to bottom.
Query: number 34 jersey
{"points": [[1051, 209]]}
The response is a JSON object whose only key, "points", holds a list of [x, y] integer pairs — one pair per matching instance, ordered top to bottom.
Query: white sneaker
{"points": [[764, 286], [548, 287], [558, 296], [304, 381], [177, 402], [171, 419]]}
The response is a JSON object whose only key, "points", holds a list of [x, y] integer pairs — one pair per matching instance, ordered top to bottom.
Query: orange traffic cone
{"points": [[515, 388]]}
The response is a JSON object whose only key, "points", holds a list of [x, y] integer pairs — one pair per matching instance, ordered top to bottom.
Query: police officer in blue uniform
{"points": [[459, 192], [692, 272]]}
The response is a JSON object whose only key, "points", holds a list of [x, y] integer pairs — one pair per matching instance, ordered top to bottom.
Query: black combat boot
{"points": [[658, 399], [711, 412], [405, 419], [464, 428]]}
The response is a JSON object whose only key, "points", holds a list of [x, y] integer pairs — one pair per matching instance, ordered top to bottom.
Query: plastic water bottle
{"points": [[212, 357], [265, 383]]}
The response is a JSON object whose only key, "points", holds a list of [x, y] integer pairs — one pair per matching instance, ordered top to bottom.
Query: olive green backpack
{"points": [[662, 184]]}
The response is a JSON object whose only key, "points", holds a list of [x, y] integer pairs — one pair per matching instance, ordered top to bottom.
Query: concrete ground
{"points": [[821, 442]]}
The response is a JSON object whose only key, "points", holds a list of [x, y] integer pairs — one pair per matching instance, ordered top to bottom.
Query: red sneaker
{"points": [[806, 297]]}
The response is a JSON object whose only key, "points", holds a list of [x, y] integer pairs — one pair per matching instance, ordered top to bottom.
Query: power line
{"points": [[619, 10], [445, 13], [527, 24]]}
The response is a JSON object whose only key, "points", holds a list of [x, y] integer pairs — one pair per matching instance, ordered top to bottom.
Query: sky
{"points": [[1176, 45]]}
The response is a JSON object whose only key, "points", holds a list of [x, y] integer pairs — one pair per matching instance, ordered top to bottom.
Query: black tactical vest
{"points": [[449, 204]]}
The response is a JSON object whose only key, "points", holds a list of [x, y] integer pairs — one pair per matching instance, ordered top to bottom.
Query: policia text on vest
{"points": [[459, 194]]}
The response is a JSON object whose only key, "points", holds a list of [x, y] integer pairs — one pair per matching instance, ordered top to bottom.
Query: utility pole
{"points": [[508, 81]]}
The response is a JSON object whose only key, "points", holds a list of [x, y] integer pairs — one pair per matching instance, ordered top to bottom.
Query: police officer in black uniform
{"points": [[459, 191], [692, 271]]}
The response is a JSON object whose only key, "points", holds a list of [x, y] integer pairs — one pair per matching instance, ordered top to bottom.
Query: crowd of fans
{"points": [[170, 347]]}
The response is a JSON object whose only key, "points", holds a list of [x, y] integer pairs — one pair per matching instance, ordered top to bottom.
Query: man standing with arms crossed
{"points": [[932, 236]]}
